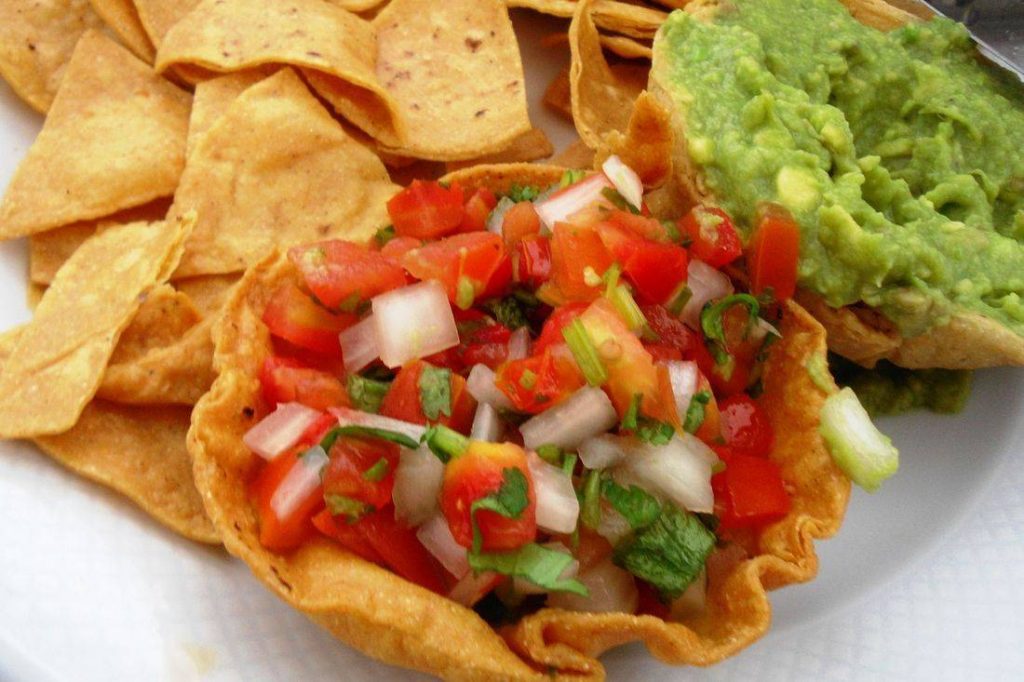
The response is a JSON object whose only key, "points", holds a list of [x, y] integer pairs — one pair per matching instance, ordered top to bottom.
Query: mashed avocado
{"points": [[899, 153], [888, 389]]}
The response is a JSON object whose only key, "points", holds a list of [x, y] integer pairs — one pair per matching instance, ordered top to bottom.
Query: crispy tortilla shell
{"points": [[122, 17], [967, 341], [401, 623]]}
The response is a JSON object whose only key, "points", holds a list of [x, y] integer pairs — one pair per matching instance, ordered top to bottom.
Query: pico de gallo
{"points": [[547, 396]]}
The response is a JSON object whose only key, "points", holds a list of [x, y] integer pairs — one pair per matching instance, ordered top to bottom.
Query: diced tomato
{"points": [[478, 207], [426, 210], [520, 222], [639, 225], [713, 238], [396, 249], [577, 251], [774, 252], [532, 261], [464, 263], [656, 270], [341, 274], [500, 280], [294, 317], [670, 330], [551, 333], [742, 346], [663, 353], [490, 354], [727, 379], [284, 380], [541, 381], [403, 399], [746, 428], [317, 430], [710, 430], [351, 459], [480, 472], [749, 493], [277, 534], [347, 535], [400, 549], [649, 603]]}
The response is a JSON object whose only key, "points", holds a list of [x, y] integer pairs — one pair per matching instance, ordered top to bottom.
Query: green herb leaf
{"points": [[571, 177], [519, 193], [673, 231], [384, 235], [508, 311], [711, 323], [435, 385], [366, 394], [695, 412], [645, 428], [367, 432], [378, 471], [509, 501], [590, 504], [341, 505], [638, 507], [669, 553], [540, 565]]}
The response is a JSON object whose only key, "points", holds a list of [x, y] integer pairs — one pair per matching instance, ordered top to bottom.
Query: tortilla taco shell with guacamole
{"points": [[893, 146]]}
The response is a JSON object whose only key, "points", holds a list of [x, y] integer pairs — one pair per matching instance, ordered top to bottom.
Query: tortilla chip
{"points": [[878, 14], [158, 16], [123, 18], [628, 19], [36, 42], [623, 46], [334, 48], [455, 72], [557, 95], [213, 98], [602, 98], [114, 139], [646, 145], [529, 146], [576, 155], [273, 171], [501, 177], [47, 251], [207, 292], [162, 318], [58, 362], [139, 452], [738, 610], [398, 622]]}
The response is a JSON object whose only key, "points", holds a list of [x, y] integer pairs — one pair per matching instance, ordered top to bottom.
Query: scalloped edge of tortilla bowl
{"points": [[968, 341], [384, 616]]}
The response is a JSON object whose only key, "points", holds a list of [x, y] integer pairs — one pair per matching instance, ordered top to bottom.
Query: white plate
{"points": [[923, 582]]}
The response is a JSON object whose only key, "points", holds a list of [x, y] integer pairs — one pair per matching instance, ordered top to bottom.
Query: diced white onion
{"points": [[626, 181], [574, 198], [496, 220], [706, 284], [414, 322], [519, 344], [359, 345], [684, 376], [480, 384], [585, 414], [350, 417], [487, 425], [279, 430], [601, 452], [679, 471], [418, 478], [299, 483], [558, 508], [613, 526], [437, 537], [523, 586], [472, 588], [611, 590], [693, 600]]}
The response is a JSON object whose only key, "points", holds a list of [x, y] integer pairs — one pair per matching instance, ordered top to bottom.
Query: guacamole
{"points": [[898, 153], [887, 389]]}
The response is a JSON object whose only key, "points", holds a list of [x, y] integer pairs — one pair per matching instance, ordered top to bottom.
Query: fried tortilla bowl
{"points": [[967, 341], [398, 622]]}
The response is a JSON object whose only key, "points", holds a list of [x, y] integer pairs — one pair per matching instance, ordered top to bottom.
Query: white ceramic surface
{"points": [[923, 583]]}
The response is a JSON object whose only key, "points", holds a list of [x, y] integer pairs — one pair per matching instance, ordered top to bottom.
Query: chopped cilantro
{"points": [[571, 177], [519, 193], [672, 230], [384, 235], [508, 311], [711, 323], [435, 384], [366, 394], [695, 412], [645, 428], [367, 432], [445, 443], [378, 471], [509, 501], [341, 505], [638, 507], [669, 553], [539, 565]]}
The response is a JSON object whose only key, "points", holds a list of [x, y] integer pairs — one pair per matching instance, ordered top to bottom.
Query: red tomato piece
{"points": [[478, 207], [426, 210], [520, 222], [640, 225], [713, 238], [396, 249], [574, 250], [774, 252], [532, 261], [464, 263], [656, 270], [341, 274], [500, 280], [294, 317], [670, 330], [551, 333], [727, 379], [284, 380], [538, 382], [403, 399], [746, 428], [351, 459], [474, 475], [749, 493], [277, 534], [347, 535], [401, 550], [649, 602]]}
